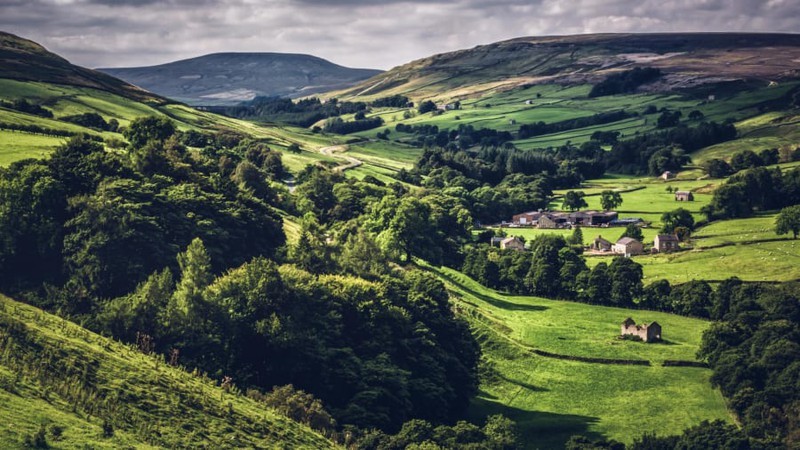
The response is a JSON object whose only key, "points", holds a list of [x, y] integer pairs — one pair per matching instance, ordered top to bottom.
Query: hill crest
{"points": [[686, 59], [25, 60], [231, 77]]}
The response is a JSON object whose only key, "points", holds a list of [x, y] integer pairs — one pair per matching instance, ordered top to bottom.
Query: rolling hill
{"points": [[686, 59], [24, 60], [229, 78], [84, 390]]}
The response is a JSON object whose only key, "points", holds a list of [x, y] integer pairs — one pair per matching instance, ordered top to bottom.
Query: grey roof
{"points": [[667, 237], [626, 240]]}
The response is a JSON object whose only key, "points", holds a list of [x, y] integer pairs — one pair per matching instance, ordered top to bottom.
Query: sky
{"points": [[377, 34]]}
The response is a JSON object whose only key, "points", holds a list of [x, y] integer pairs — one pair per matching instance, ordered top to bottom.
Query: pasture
{"points": [[746, 248], [552, 399]]}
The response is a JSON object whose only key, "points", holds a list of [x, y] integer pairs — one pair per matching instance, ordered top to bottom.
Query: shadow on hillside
{"points": [[491, 300], [663, 342], [523, 384], [537, 429]]}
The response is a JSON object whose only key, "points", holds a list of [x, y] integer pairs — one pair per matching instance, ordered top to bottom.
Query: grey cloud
{"points": [[359, 33]]}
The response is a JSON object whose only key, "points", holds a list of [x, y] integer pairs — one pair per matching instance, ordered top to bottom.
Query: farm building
{"points": [[667, 175], [684, 196], [527, 218], [592, 218], [562, 219], [553, 220], [627, 221], [495, 241], [512, 243], [665, 243], [601, 245], [628, 246], [647, 333]]}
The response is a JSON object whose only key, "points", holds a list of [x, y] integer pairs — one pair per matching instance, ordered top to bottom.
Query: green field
{"points": [[507, 110], [16, 145], [745, 248], [55, 373], [552, 399]]}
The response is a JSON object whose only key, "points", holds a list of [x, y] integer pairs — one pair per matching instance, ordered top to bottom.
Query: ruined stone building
{"points": [[647, 333]]}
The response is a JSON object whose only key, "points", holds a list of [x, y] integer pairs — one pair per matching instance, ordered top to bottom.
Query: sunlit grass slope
{"points": [[57, 374], [552, 399]]}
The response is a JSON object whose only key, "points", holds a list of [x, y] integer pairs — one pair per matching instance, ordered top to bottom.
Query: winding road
{"points": [[335, 152]]}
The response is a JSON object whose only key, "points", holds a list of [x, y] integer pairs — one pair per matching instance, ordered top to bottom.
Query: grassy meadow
{"points": [[552, 399]]}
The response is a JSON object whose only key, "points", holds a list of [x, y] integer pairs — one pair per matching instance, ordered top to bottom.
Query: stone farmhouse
{"points": [[684, 196], [512, 243], [665, 243], [628, 246], [648, 333]]}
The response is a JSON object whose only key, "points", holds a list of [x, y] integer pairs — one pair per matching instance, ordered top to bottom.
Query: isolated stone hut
{"points": [[667, 175], [684, 196], [665, 243], [647, 333]]}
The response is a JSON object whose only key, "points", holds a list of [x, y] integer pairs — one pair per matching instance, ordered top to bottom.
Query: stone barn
{"points": [[684, 196], [628, 246], [646, 332]]}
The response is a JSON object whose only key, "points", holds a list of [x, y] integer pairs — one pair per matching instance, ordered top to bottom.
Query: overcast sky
{"points": [[358, 33]]}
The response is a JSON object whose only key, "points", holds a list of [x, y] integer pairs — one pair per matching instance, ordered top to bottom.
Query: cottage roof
{"points": [[667, 238], [497, 239], [510, 239], [601, 240], [626, 241], [628, 322], [654, 324]]}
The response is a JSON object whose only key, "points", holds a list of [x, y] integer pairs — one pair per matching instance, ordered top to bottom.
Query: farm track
{"points": [[334, 152]]}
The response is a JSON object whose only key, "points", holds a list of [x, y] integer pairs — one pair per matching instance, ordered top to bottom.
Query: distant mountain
{"points": [[686, 59], [24, 60], [229, 78]]}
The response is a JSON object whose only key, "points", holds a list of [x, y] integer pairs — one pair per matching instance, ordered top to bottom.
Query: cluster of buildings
{"points": [[556, 219], [627, 246]]}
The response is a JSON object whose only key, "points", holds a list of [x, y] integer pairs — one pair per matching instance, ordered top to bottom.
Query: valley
{"points": [[328, 267]]}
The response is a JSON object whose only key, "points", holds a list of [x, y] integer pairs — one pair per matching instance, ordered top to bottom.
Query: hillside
{"points": [[686, 59], [24, 60], [229, 78], [56, 374], [552, 398]]}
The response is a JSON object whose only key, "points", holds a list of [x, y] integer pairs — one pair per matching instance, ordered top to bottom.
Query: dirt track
{"points": [[335, 152]]}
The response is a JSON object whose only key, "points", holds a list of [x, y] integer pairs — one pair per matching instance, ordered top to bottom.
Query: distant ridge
{"points": [[686, 59], [25, 60], [229, 78]]}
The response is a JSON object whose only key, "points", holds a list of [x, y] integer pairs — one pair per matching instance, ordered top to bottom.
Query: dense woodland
{"points": [[206, 275]]}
